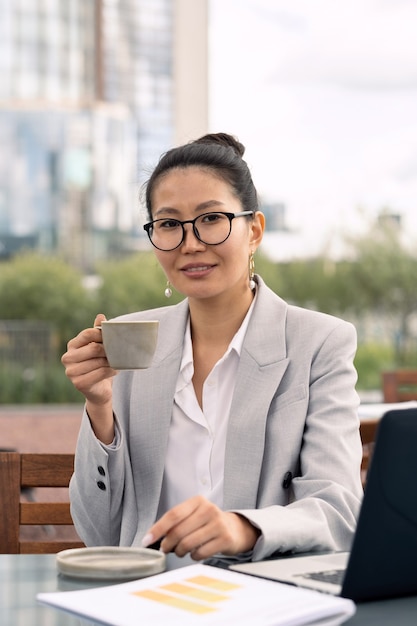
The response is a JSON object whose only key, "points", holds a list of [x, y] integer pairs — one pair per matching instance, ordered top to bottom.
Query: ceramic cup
{"points": [[129, 345]]}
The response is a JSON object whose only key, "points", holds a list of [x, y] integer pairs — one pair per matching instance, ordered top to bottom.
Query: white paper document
{"points": [[202, 594]]}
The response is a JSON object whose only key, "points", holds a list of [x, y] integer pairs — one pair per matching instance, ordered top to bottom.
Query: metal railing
{"points": [[26, 342]]}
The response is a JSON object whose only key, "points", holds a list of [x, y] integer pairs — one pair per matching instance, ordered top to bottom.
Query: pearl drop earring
{"points": [[252, 283], [168, 290]]}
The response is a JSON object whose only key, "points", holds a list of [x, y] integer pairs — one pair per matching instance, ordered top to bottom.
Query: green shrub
{"points": [[136, 283], [42, 288], [372, 359], [36, 385]]}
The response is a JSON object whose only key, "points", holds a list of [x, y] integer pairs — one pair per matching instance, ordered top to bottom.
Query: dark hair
{"points": [[218, 152]]}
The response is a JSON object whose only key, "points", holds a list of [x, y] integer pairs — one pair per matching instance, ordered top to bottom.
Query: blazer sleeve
{"points": [[101, 482], [325, 491]]}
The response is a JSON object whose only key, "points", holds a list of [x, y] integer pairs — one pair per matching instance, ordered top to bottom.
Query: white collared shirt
{"points": [[194, 462]]}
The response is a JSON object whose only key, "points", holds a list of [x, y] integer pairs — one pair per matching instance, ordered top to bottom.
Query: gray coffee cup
{"points": [[129, 345]]}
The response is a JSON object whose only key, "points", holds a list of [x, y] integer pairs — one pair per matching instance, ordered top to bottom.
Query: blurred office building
{"points": [[92, 92]]}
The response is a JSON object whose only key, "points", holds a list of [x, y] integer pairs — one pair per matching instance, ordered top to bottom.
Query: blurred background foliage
{"points": [[133, 284], [35, 287], [375, 289]]}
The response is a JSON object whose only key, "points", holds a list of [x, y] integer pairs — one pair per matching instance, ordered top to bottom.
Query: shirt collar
{"points": [[187, 369]]}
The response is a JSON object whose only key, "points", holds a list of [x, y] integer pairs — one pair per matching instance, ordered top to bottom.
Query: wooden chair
{"points": [[399, 385], [368, 430], [19, 472]]}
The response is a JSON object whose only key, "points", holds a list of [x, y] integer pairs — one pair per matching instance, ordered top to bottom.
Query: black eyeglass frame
{"points": [[231, 216]]}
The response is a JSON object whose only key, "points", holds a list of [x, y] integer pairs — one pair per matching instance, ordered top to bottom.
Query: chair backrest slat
{"points": [[399, 385], [368, 430], [46, 470], [30, 471], [9, 499], [44, 513], [47, 547]]}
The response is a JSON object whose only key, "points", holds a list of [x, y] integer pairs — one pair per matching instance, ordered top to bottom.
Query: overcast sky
{"points": [[323, 93]]}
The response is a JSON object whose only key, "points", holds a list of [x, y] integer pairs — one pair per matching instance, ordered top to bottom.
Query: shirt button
{"points": [[101, 471], [101, 485]]}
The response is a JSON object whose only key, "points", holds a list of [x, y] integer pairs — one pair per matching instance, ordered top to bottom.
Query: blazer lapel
{"points": [[262, 365], [152, 397]]}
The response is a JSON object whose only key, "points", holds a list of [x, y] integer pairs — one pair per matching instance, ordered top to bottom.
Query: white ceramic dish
{"points": [[110, 563]]}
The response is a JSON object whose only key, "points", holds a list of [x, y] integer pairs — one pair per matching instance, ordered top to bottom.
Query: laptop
{"points": [[382, 562]]}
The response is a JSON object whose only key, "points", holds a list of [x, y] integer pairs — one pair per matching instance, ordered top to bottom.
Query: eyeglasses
{"points": [[210, 228]]}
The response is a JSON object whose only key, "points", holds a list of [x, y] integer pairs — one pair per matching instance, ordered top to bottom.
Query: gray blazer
{"points": [[293, 449]]}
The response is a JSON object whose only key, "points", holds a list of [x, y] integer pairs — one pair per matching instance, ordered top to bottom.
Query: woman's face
{"points": [[195, 269]]}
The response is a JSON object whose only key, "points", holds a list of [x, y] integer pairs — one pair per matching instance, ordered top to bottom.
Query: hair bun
{"points": [[225, 140]]}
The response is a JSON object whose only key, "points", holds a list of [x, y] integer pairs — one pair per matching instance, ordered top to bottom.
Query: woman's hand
{"points": [[87, 368], [200, 528]]}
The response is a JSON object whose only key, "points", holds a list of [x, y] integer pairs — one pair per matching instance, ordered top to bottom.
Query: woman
{"points": [[242, 438]]}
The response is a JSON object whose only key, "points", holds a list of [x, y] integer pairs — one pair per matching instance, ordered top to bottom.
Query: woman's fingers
{"points": [[99, 318], [84, 338], [86, 364], [170, 523], [200, 528]]}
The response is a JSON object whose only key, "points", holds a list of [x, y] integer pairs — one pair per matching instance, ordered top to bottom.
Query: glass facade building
{"points": [[86, 108]]}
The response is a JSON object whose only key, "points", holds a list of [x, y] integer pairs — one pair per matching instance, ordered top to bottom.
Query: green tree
{"points": [[269, 271], [384, 274], [304, 282], [317, 283], [133, 284], [37, 287]]}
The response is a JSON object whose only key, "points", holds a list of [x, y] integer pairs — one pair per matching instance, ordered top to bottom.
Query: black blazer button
{"points": [[101, 471], [287, 480], [101, 485]]}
